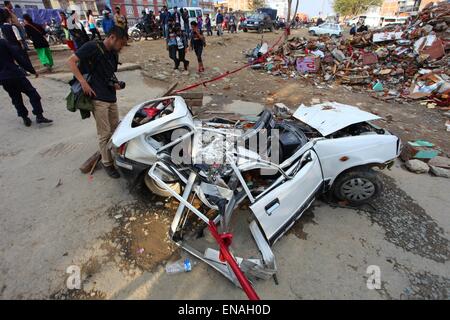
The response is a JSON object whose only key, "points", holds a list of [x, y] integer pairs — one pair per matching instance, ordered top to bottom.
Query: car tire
{"points": [[245, 29], [260, 30], [312, 32], [333, 36], [357, 186], [155, 188]]}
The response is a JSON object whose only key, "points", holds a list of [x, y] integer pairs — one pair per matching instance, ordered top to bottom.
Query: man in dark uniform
{"points": [[14, 81]]}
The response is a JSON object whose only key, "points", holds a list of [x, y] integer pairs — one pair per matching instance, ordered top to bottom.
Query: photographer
{"points": [[99, 60]]}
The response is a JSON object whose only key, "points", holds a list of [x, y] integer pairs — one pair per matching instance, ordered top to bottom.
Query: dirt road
{"points": [[53, 217]]}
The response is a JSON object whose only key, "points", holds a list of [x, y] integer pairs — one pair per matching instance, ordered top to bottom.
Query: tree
{"points": [[256, 4], [353, 7], [296, 9], [289, 11]]}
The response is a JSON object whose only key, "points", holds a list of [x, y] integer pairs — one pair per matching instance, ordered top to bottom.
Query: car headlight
{"points": [[256, 22]]}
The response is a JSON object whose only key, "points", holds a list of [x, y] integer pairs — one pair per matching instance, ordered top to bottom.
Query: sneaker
{"points": [[186, 66], [42, 119], [26, 121], [111, 171]]}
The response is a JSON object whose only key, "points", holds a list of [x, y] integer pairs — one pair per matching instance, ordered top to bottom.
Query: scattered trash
{"points": [[398, 62], [182, 265]]}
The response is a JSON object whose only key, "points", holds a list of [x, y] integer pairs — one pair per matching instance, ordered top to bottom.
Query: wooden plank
{"points": [[191, 95], [194, 102], [90, 163]]}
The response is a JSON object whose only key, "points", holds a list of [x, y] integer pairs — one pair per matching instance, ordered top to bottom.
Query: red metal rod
{"points": [[227, 73], [245, 284]]}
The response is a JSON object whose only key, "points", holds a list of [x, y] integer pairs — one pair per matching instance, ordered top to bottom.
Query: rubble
{"points": [[402, 63], [417, 166], [440, 172]]}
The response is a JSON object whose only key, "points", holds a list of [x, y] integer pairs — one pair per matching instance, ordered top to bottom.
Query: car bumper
{"points": [[251, 26], [129, 169]]}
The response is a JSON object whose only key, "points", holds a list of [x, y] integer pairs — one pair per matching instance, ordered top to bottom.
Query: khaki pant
{"points": [[106, 116]]}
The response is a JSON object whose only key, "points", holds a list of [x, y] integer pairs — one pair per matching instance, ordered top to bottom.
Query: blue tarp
{"points": [[39, 16]]}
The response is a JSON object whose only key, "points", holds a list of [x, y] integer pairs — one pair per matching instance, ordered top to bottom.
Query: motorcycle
{"points": [[232, 26], [138, 31], [54, 34], [277, 164]]}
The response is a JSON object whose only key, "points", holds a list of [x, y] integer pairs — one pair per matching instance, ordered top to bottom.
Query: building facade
{"points": [[239, 5], [280, 5]]}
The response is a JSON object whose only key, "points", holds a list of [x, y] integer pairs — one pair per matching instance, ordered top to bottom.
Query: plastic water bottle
{"points": [[182, 265]]}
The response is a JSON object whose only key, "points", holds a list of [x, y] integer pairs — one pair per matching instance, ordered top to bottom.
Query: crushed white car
{"points": [[277, 164]]}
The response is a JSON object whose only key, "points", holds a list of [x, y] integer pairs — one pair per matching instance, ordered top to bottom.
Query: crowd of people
{"points": [[94, 60]]}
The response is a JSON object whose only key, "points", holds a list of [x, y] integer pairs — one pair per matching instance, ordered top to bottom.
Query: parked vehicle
{"points": [[194, 13], [258, 22], [280, 23], [331, 29], [138, 31], [54, 33], [326, 148]]}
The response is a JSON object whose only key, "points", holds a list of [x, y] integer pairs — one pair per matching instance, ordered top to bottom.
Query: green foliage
{"points": [[256, 4], [353, 7]]}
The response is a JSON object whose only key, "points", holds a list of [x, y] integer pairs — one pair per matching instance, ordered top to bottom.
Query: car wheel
{"points": [[245, 29], [260, 30], [312, 32], [136, 35], [334, 36], [358, 186], [155, 188]]}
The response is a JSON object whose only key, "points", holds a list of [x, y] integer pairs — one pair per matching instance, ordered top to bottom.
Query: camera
{"points": [[113, 82]]}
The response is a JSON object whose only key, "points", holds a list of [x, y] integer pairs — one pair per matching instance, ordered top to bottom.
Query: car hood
{"points": [[330, 117]]}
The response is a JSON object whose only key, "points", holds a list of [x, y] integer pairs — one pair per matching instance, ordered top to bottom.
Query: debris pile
{"points": [[401, 62], [422, 156]]}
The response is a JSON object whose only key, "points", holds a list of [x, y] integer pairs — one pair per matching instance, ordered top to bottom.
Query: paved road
{"points": [[53, 217]]}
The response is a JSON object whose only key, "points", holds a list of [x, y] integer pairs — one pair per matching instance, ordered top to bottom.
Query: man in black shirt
{"points": [[97, 62], [14, 81]]}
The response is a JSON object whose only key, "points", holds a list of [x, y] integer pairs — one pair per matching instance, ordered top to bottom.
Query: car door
{"points": [[323, 28], [286, 200]]}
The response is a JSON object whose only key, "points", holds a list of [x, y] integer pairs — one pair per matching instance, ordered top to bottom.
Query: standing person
{"points": [[176, 15], [185, 18], [119, 19], [164, 20], [15, 21], [107, 22], [219, 22], [200, 23], [208, 25], [92, 26], [76, 30], [8, 31], [36, 33], [69, 42], [172, 43], [177, 44], [197, 44], [182, 45], [100, 60], [14, 81]]}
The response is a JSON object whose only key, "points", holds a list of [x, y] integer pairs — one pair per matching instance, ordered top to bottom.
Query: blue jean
{"points": [[165, 30]]}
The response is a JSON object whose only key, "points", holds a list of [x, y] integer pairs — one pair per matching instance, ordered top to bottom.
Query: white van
{"points": [[194, 12]]}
